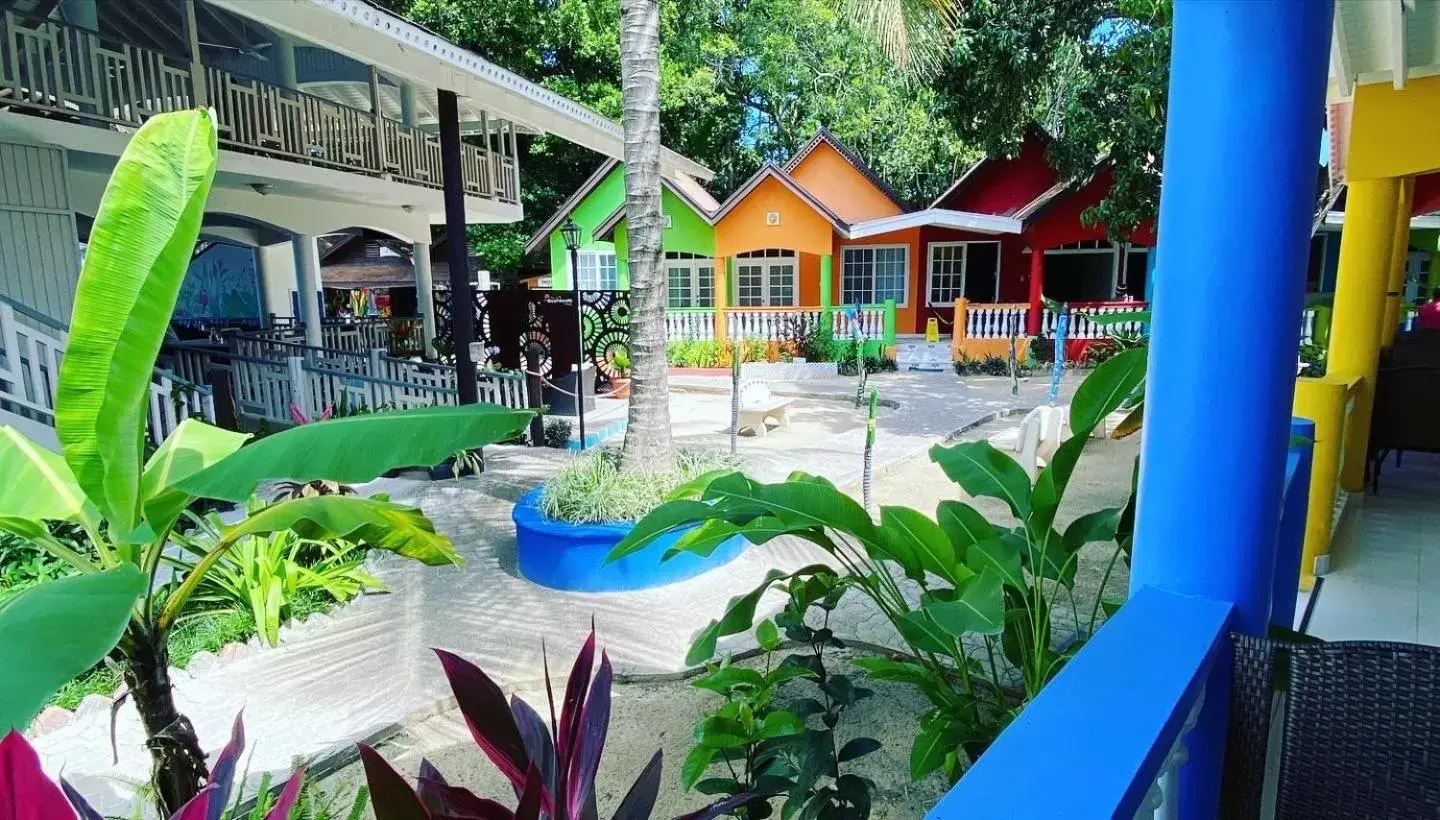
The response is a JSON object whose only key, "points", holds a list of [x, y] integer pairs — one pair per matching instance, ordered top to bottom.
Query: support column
{"points": [[283, 52], [197, 71], [1246, 80], [407, 105], [1399, 256], [827, 283], [1360, 284], [307, 285], [1037, 292], [424, 294], [722, 296], [462, 311]]}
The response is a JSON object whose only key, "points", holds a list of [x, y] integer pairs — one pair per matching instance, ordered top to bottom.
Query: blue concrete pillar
{"points": [[1247, 88], [1291, 542]]}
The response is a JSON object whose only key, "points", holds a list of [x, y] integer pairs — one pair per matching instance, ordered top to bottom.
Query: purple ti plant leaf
{"points": [[570, 711], [487, 715], [594, 723], [538, 743], [222, 774], [25, 792], [390, 796], [288, 797], [532, 799], [640, 800], [455, 803], [199, 806], [82, 808], [719, 808]]}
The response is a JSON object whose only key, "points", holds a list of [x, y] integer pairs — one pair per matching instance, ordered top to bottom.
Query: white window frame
{"points": [[598, 256], [767, 264], [693, 266], [964, 267], [908, 272]]}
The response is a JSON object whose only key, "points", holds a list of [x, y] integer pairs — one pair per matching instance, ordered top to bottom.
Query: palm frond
{"points": [[914, 34]]}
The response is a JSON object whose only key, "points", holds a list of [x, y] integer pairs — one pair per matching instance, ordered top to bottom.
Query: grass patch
{"points": [[592, 489]]}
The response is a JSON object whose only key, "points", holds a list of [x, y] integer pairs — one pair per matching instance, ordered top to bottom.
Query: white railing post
{"points": [[300, 395]]}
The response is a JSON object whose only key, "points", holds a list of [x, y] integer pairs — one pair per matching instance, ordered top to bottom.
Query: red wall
{"points": [[1004, 186]]}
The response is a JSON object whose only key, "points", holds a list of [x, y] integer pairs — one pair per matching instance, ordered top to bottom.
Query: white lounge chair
{"points": [[758, 405]]}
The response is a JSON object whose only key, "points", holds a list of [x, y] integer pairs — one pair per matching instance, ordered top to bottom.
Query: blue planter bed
{"points": [[567, 556]]}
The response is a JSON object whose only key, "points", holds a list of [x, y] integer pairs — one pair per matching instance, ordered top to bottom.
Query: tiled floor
{"points": [[1384, 582]]}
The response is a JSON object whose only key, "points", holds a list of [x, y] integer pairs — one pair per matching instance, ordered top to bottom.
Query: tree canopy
{"points": [[744, 82]]}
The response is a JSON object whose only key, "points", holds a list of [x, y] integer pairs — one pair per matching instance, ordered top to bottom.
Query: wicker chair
{"points": [[1360, 732]]}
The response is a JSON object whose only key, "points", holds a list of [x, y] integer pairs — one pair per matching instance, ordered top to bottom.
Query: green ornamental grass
{"points": [[592, 489]]}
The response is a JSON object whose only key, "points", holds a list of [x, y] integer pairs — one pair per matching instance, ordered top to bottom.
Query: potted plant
{"points": [[620, 373], [462, 463]]}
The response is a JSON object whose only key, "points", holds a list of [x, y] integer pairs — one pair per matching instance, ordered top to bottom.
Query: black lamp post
{"points": [[571, 231]]}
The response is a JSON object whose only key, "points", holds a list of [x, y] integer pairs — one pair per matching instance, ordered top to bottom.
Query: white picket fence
{"points": [[690, 326], [30, 373]]}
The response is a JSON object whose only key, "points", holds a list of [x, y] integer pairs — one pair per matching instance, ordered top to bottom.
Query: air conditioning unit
{"points": [[772, 218]]}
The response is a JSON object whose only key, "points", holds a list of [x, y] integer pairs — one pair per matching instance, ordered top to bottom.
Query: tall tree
{"points": [[647, 437]]}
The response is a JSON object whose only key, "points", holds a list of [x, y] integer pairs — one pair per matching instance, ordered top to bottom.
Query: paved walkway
{"points": [[340, 677]]}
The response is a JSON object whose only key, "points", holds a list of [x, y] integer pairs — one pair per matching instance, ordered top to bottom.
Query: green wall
{"points": [[688, 232]]}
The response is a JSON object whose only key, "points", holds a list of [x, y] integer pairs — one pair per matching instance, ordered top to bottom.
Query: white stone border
{"points": [[789, 371]]}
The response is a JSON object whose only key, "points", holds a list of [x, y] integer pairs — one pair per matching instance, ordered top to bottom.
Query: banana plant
{"points": [[140, 247], [967, 595]]}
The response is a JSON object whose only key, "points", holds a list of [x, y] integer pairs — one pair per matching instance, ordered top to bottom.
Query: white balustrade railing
{"points": [[51, 66], [871, 321], [995, 321], [692, 325], [771, 325], [1080, 326], [1307, 326], [29, 364], [30, 372], [263, 389], [173, 399], [1162, 802]]}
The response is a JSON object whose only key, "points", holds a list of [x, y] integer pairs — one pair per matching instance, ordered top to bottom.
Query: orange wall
{"points": [[844, 190], [801, 229], [809, 279], [906, 314]]}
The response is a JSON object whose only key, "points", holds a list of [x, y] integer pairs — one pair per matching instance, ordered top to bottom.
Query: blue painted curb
{"points": [[568, 556]]}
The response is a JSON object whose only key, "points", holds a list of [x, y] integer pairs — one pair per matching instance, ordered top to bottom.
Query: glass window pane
{"points": [[891, 273], [947, 273], [857, 276], [750, 285], [782, 285], [705, 286], [678, 292]]}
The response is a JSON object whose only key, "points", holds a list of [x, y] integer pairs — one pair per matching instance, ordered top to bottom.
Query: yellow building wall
{"points": [[1389, 136]]}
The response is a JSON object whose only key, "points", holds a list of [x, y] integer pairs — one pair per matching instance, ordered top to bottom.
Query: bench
{"points": [[758, 405]]}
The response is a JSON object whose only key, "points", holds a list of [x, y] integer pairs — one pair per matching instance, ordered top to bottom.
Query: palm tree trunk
{"points": [[647, 438], [179, 770]]}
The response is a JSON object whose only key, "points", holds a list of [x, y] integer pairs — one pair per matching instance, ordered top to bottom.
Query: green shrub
{"points": [[1315, 356], [557, 433], [593, 489]]}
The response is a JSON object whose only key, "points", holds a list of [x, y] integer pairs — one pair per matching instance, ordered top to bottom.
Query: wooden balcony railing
{"points": [[56, 68]]}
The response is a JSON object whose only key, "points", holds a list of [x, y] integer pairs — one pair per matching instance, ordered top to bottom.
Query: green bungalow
{"points": [[598, 207]]}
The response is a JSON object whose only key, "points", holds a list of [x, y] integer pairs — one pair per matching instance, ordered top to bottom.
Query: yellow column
{"points": [[1399, 255], [1360, 285], [722, 296], [1322, 401]]}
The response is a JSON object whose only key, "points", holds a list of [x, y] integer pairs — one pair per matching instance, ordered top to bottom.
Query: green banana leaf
{"points": [[135, 262], [193, 447], [356, 448], [38, 484], [380, 524], [57, 630]]}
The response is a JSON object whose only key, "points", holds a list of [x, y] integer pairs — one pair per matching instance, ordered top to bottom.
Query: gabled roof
{"points": [[823, 135], [772, 171], [680, 185], [705, 207], [543, 232]]}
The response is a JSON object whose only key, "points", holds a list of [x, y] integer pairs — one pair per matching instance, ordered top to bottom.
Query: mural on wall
{"points": [[221, 287]]}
